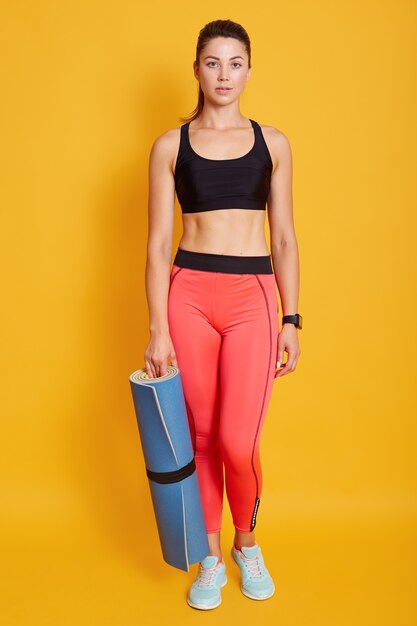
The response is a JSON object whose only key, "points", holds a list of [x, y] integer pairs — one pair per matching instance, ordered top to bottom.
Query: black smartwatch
{"points": [[296, 319]]}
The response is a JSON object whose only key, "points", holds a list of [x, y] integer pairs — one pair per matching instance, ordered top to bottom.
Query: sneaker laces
{"points": [[253, 566], [205, 577]]}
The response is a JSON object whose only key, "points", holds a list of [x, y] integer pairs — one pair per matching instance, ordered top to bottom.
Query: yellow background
{"points": [[86, 88]]}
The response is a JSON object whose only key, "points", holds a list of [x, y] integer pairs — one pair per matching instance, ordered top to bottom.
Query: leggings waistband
{"points": [[227, 263]]}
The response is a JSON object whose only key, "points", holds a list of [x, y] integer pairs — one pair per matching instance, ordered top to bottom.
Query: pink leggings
{"points": [[223, 322]]}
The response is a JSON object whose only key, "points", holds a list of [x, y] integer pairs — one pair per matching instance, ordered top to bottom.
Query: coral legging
{"points": [[224, 328]]}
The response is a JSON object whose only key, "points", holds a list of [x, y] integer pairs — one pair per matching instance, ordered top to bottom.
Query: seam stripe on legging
{"points": [[173, 276], [263, 401]]}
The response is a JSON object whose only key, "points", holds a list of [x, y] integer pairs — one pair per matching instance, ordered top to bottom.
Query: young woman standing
{"points": [[214, 312]]}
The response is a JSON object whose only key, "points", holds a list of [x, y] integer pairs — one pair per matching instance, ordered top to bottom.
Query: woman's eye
{"points": [[210, 64]]}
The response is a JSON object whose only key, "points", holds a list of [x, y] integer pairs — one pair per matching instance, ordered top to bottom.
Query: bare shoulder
{"points": [[277, 142], [165, 147]]}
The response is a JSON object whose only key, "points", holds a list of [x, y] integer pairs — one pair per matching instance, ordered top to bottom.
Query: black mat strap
{"points": [[172, 477]]}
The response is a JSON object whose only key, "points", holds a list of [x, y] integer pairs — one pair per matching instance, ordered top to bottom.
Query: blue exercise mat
{"points": [[170, 466]]}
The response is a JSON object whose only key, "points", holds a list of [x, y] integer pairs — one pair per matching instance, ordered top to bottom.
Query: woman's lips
{"points": [[223, 89]]}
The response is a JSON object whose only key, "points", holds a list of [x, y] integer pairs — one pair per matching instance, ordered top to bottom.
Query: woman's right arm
{"points": [[161, 200]]}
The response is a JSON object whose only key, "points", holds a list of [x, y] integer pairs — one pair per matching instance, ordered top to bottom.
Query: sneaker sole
{"points": [[246, 593], [204, 607]]}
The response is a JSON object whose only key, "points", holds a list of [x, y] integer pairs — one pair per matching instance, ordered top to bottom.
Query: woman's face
{"points": [[223, 63]]}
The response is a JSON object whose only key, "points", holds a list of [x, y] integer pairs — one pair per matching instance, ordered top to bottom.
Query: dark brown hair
{"points": [[216, 28]]}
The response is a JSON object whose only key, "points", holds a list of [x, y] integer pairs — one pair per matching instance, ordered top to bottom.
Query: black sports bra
{"points": [[205, 184]]}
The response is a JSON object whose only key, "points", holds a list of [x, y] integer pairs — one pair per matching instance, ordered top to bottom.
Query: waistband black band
{"points": [[227, 263]]}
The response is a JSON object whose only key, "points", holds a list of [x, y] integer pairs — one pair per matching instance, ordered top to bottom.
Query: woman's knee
{"points": [[238, 457]]}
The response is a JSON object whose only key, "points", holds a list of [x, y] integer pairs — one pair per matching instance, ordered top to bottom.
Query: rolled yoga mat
{"points": [[170, 466]]}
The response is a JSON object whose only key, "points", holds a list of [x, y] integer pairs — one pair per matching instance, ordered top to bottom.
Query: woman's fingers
{"points": [[290, 364], [149, 368]]}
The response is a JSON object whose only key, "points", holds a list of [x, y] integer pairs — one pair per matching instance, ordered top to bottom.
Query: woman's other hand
{"points": [[287, 342], [160, 349]]}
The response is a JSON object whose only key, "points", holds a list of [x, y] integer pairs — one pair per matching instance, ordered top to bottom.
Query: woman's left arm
{"points": [[284, 247]]}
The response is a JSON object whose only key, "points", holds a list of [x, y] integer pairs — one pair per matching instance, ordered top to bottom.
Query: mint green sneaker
{"points": [[256, 580], [205, 592]]}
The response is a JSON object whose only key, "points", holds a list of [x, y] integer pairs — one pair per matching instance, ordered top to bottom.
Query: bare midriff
{"points": [[225, 231]]}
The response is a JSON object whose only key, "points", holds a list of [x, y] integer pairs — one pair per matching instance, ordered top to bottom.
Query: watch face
{"points": [[300, 321]]}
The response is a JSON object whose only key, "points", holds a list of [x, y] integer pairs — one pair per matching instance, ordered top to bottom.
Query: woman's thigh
{"points": [[197, 345], [247, 364]]}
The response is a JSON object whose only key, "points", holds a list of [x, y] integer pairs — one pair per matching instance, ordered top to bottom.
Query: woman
{"points": [[214, 313]]}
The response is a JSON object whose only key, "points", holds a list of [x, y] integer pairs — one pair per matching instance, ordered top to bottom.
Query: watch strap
{"points": [[293, 319]]}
